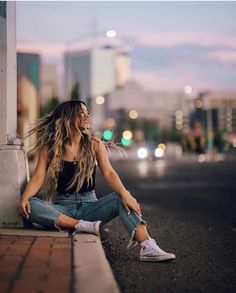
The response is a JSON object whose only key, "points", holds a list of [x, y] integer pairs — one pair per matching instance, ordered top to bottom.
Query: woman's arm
{"points": [[113, 179], [35, 182]]}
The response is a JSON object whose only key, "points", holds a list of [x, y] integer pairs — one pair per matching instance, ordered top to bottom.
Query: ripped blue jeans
{"points": [[83, 206]]}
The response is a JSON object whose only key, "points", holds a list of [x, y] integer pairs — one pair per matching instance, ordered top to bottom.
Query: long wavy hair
{"points": [[54, 130]]}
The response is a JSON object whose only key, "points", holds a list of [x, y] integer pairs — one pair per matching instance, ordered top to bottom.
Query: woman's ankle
{"points": [[141, 233]]}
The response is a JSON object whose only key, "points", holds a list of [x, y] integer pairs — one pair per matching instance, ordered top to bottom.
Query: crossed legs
{"points": [[104, 209]]}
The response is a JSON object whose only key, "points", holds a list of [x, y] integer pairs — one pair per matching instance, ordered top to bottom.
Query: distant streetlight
{"points": [[111, 34], [188, 89], [100, 100], [186, 105], [133, 114], [179, 118], [110, 122], [127, 134], [162, 146]]}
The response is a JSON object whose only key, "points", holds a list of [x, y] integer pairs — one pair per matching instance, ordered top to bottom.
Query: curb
{"points": [[92, 271]]}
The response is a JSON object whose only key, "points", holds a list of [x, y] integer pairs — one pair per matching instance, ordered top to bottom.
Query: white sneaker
{"points": [[88, 227], [150, 251]]}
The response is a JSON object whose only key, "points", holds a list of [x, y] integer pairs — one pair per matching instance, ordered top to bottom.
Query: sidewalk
{"points": [[51, 261]]}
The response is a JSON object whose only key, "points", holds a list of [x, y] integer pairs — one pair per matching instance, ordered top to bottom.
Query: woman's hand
{"points": [[130, 203], [24, 208]]}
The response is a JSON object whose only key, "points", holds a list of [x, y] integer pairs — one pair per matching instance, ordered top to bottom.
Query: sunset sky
{"points": [[171, 44]]}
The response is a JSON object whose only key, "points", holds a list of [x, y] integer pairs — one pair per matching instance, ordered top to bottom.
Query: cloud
{"points": [[171, 38], [161, 39], [42, 48], [56, 50], [223, 56], [165, 61], [158, 80]]}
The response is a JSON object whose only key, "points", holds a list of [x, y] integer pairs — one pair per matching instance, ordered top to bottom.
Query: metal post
{"points": [[209, 134], [13, 164]]}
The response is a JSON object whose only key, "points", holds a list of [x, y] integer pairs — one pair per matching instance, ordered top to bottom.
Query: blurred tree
{"points": [[75, 92], [89, 102], [49, 106], [123, 121], [150, 127], [151, 130], [172, 135], [175, 135], [218, 141]]}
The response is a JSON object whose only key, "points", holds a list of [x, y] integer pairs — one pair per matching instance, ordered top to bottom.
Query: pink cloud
{"points": [[159, 38], [203, 38], [58, 49], [55, 50], [223, 56], [159, 81]]}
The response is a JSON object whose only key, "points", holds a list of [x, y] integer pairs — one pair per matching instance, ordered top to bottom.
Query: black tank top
{"points": [[66, 175]]}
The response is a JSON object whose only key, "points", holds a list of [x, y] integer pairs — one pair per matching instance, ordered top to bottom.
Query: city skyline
{"points": [[171, 44]]}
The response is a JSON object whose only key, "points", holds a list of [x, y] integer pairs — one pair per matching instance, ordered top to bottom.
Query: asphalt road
{"points": [[190, 210]]}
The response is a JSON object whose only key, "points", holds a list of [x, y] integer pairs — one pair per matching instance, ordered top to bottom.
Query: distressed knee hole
{"points": [[132, 240]]}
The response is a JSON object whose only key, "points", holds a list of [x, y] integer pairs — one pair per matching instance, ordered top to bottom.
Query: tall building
{"points": [[28, 65], [122, 68], [94, 69], [49, 80], [28, 89], [225, 102], [160, 106], [223, 107], [27, 109]]}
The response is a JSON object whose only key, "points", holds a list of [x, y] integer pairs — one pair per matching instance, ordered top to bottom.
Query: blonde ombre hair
{"points": [[54, 131]]}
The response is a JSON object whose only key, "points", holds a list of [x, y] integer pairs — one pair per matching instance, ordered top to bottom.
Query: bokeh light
{"points": [[111, 34], [188, 89], [100, 100], [133, 114], [110, 122], [107, 134], [127, 134], [125, 141], [162, 146]]}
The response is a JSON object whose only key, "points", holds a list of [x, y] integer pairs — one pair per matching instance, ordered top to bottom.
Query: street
{"points": [[190, 210]]}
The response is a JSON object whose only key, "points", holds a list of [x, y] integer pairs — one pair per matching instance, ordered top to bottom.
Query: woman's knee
{"points": [[117, 198], [35, 199], [34, 202], [35, 206]]}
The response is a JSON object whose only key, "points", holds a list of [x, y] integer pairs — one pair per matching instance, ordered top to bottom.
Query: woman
{"points": [[65, 174]]}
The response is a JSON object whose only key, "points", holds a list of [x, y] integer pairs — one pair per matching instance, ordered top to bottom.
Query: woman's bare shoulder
{"points": [[96, 143], [44, 152]]}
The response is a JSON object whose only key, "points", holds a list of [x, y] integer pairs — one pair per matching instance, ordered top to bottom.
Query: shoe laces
{"points": [[85, 226], [88, 227], [132, 243], [151, 247]]}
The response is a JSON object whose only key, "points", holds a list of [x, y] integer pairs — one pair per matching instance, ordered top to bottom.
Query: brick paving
{"points": [[35, 264]]}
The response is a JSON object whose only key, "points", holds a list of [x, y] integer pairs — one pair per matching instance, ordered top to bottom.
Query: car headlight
{"points": [[159, 152], [142, 153]]}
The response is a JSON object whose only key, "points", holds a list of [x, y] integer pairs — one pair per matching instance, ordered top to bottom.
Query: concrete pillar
{"points": [[7, 72], [13, 164]]}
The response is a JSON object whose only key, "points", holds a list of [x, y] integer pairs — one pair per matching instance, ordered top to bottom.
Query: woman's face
{"points": [[83, 117]]}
